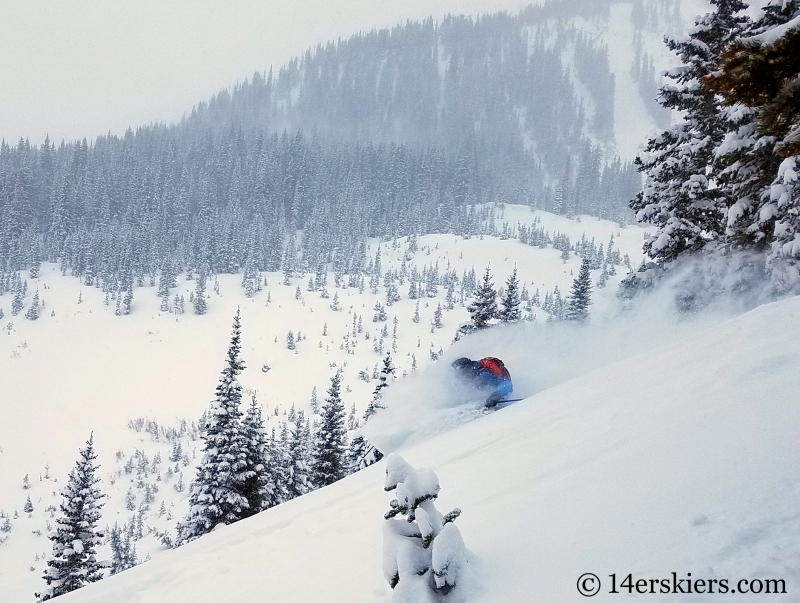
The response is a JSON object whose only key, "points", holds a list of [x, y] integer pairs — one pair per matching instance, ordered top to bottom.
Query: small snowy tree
{"points": [[581, 295], [199, 300], [127, 301], [17, 303], [484, 308], [33, 311], [510, 311], [437, 317], [329, 463], [123, 549], [423, 553], [73, 563]]}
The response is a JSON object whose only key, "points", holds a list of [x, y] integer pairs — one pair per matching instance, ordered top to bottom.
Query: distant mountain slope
{"points": [[540, 80], [403, 131], [683, 460]]}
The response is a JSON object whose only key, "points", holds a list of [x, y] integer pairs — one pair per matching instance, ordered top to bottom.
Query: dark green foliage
{"points": [[677, 198], [580, 296], [484, 308], [510, 311], [328, 463], [258, 486], [217, 492], [74, 564]]}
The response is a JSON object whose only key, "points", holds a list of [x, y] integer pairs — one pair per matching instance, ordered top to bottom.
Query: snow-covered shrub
{"points": [[424, 557]]}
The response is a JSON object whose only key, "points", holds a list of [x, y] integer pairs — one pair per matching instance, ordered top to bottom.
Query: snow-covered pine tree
{"points": [[758, 79], [677, 198], [581, 295], [127, 301], [199, 301], [17, 303], [484, 308], [33, 312], [510, 312], [437, 317], [328, 463], [297, 478], [258, 486], [216, 493], [123, 549], [438, 561], [73, 563]]}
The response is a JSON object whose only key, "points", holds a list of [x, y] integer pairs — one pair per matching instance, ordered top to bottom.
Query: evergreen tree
{"points": [[758, 79], [677, 197], [581, 295], [127, 301], [199, 302], [17, 303], [484, 308], [33, 311], [510, 311], [437, 317], [385, 378], [328, 462], [298, 482], [258, 486], [217, 492], [123, 549], [73, 563]]}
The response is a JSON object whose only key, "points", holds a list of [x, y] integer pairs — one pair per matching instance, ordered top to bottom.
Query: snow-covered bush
{"points": [[424, 557]]}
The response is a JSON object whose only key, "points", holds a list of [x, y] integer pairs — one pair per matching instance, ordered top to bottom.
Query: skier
{"points": [[487, 374]]}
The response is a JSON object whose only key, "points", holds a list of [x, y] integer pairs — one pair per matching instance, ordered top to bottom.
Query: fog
{"points": [[85, 67]]}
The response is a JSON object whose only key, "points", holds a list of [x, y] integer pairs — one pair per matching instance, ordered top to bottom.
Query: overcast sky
{"points": [[79, 68]]}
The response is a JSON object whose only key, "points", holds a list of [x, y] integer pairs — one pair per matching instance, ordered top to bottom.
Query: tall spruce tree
{"points": [[758, 79], [678, 197], [581, 295], [484, 308], [510, 311], [330, 440], [298, 482], [258, 486], [217, 493], [76, 537]]}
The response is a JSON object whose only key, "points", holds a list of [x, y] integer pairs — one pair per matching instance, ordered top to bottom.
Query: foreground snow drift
{"points": [[683, 460]]}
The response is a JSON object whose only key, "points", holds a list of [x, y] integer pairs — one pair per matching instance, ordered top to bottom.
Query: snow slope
{"points": [[85, 369], [684, 459]]}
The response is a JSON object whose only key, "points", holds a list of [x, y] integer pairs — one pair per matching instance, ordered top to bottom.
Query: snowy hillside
{"points": [[84, 369], [684, 459]]}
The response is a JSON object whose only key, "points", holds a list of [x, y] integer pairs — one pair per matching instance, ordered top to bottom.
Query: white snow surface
{"points": [[85, 370], [646, 443], [685, 459]]}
